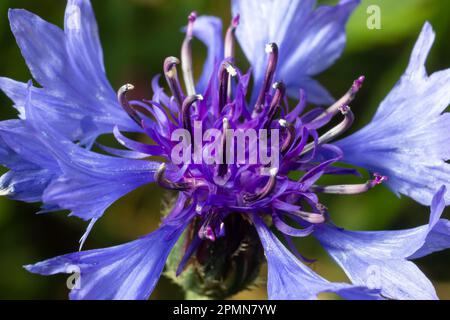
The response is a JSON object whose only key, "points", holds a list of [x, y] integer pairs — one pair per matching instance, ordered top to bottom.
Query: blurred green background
{"points": [[137, 35]]}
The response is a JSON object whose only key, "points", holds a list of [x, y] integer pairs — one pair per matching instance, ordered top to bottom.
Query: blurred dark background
{"points": [[137, 35]]}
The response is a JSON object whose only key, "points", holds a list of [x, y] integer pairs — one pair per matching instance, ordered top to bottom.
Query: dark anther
{"points": [[272, 50], [226, 70], [170, 71], [122, 97], [186, 110], [166, 183], [266, 190]]}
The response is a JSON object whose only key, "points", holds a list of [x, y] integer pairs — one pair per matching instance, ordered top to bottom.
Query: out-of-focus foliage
{"points": [[137, 35]]}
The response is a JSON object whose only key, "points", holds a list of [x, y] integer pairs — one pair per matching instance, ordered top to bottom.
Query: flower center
{"points": [[289, 139]]}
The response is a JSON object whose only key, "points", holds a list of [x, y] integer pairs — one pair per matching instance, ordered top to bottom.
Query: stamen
{"points": [[229, 38], [230, 47], [272, 50], [186, 56], [170, 71], [226, 71], [280, 90], [122, 97], [344, 100], [185, 110], [349, 118], [283, 123], [290, 134], [223, 167], [379, 179], [166, 183], [351, 189], [266, 190], [198, 209], [311, 217], [314, 218], [212, 228], [221, 230], [206, 232]]}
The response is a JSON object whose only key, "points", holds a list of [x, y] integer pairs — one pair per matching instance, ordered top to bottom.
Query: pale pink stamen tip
{"points": [[192, 17], [235, 21], [358, 83], [344, 109], [379, 179], [316, 218], [210, 234]]}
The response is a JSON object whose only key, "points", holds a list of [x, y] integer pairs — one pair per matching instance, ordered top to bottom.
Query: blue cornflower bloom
{"points": [[219, 205]]}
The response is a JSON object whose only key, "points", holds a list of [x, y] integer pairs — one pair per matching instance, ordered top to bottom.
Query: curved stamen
{"points": [[272, 50], [186, 56], [170, 71], [226, 71], [122, 97], [345, 100], [275, 104], [186, 110], [349, 118], [290, 134], [166, 183], [351, 189], [266, 190], [294, 210], [311, 217], [287, 229]]}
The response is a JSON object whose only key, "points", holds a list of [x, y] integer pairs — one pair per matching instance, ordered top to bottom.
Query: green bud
{"points": [[221, 268]]}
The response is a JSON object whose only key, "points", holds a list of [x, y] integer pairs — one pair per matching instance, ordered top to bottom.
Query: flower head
{"points": [[230, 160]]}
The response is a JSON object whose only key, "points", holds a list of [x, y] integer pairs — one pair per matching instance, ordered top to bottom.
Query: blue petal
{"points": [[265, 21], [208, 29], [310, 40], [320, 41], [42, 46], [84, 48], [416, 67], [69, 68], [17, 92], [316, 93], [64, 115], [408, 139], [20, 148], [31, 167], [49, 168], [88, 182], [91, 182], [25, 185], [438, 235], [380, 259], [124, 272], [289, 279]]}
